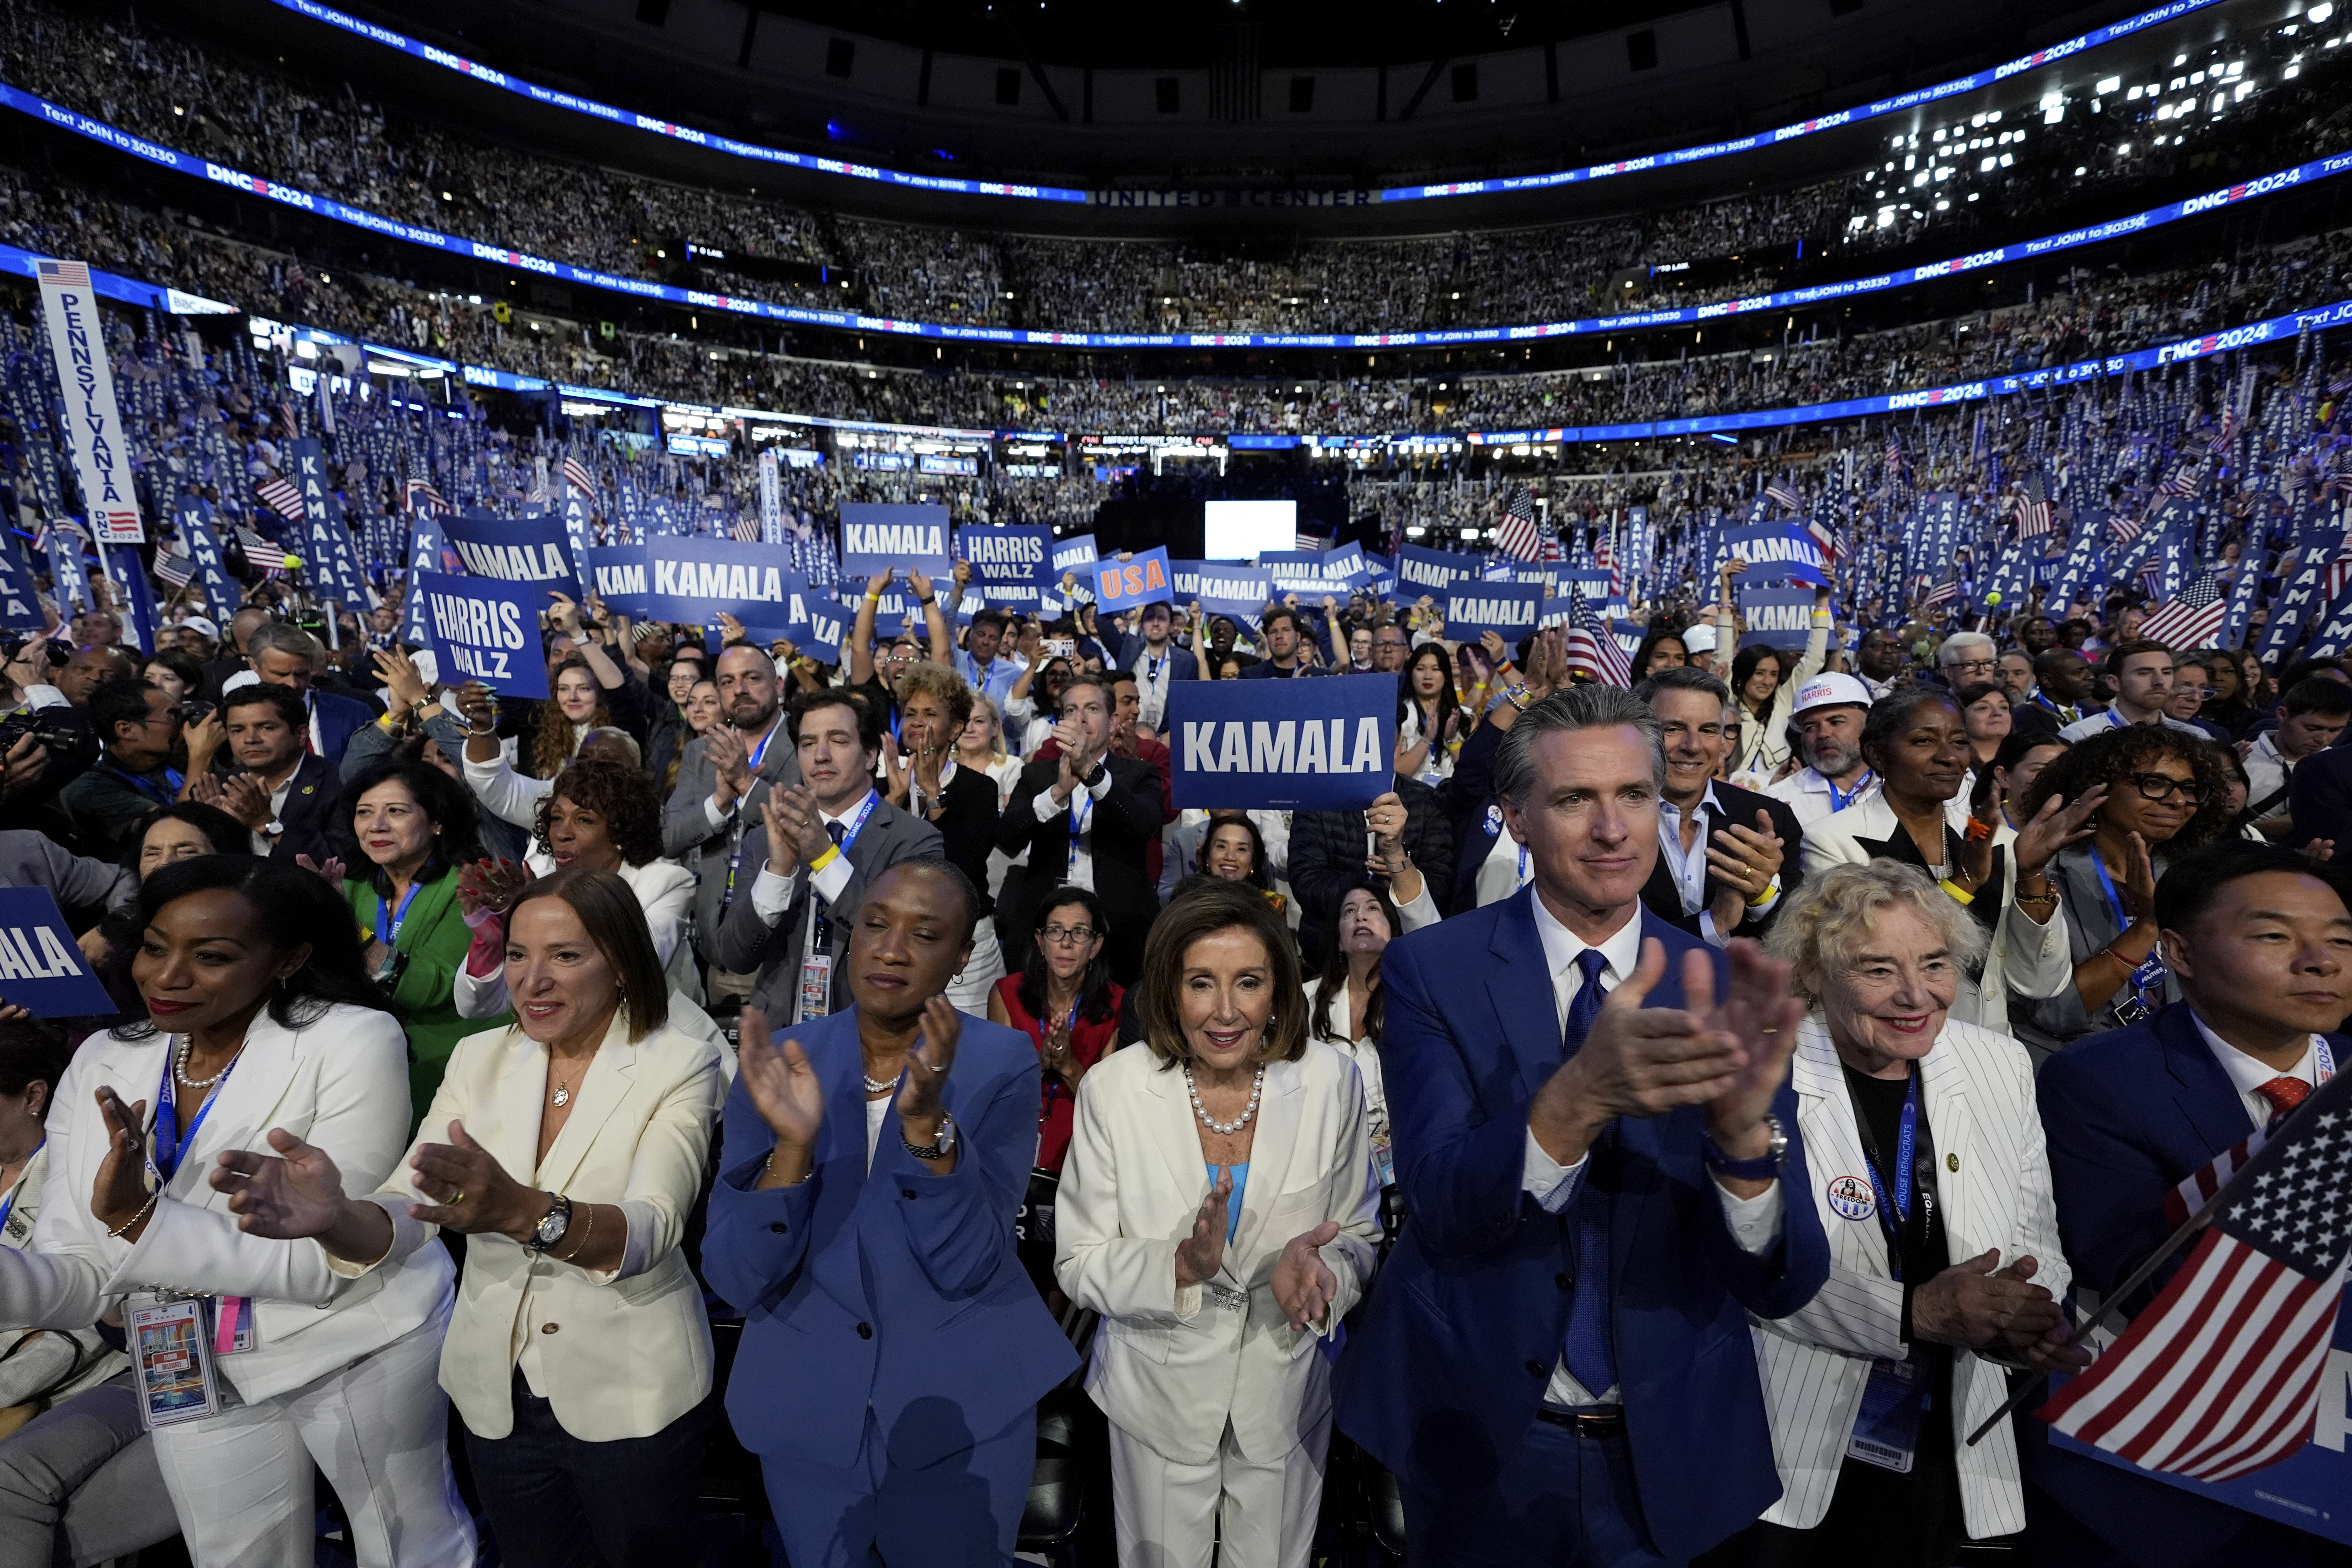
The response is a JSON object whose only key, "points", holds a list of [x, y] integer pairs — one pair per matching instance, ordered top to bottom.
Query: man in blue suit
{"points": [[285, 655], [2260, 939], [894, 1349], [1556, 1361]]}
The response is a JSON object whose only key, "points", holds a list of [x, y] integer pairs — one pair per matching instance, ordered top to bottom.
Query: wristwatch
{"points": [[1100, 771], [940, 1147], [1764, 1168], [551, 1225]]}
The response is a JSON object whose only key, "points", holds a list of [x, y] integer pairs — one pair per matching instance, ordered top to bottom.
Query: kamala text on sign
{"points": [[1281, 745]]}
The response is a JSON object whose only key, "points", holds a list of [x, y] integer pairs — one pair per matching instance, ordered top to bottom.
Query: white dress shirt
{"points": [[1152, 674], [2267, 771], [1812, 796], [1081, 803], [1689, 866], [772, 894], [2248, 1074], [1754, 1221]]}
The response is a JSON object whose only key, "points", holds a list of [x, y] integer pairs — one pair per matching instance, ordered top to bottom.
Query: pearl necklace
{"points": [[180, 1065], [1257, 1085], [872, 1087]]}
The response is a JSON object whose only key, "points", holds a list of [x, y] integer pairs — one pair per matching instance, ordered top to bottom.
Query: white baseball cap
{"points": [[202, 628], [1700, 638], [1831, 689]]}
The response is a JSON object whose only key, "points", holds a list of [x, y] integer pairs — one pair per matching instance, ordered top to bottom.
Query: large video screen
{"points": [[1235, 529]]}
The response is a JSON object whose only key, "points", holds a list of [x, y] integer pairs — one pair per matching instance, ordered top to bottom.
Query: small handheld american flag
{"points": [[281, 497], [1516, 534], [1592, 647], [2221, 1375]]}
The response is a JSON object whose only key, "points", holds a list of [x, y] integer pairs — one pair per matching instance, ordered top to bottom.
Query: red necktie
{"points": [[2284, 1094]]}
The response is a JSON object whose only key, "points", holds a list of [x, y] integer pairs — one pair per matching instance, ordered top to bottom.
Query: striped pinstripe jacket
{"points": [[1977, 1088]]}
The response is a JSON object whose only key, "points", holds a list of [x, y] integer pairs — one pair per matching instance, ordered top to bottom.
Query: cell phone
{"points": [[1061, 647]]}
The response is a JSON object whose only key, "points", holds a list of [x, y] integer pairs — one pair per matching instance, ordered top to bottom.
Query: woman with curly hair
{"points": [[2161, 793], [604, 815]]}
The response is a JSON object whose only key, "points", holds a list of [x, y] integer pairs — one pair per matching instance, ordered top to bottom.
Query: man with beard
{"points": [[1389, 646], [1283, 657], [1880, 659], [1829, 710], [723, 780]]}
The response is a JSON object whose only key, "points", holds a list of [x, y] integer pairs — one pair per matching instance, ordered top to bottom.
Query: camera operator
{"points": [[140, 728], [45, 741]]}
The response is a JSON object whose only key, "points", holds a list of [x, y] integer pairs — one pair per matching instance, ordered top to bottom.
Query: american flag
{"points": [[66, 274], [289, 419], [1894, 454], [2339, 472], [576, 475], [2183, 482], [1780, 493], [422, 494], [281, 497], [2033, 506], [747, 529], [2123, 529], [1516, 534], [1306, 541], [1832, 542], [264, 555], [1604, 557], [175, 569], [2339, 573], [1943, 593], [2190, 618], [1592, 647], [2189, 1196], [2221, 1375]]}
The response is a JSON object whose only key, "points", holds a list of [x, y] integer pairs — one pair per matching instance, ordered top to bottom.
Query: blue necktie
{"points": [[1592, 1360]]}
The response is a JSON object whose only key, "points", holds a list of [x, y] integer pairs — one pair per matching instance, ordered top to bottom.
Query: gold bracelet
{"points": [[116, 1233], [582, 1244]]}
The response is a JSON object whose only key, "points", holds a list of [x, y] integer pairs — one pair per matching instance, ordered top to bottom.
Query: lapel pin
{"points": [[1952, 1162]]}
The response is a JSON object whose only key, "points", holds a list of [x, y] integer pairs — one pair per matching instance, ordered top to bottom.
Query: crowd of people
{"points": [[328, 137], [999, 1075]]}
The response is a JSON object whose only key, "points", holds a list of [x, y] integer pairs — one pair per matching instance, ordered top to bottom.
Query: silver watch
{"points": [[551, 1225]]}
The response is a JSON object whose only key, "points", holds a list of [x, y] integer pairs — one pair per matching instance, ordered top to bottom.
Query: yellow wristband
{"points": [[873, 598], [832, 853], [1956, 890]]}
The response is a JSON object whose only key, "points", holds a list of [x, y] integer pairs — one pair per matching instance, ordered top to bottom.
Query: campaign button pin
{"points": [[1952, 1162], [1851, 1197]]}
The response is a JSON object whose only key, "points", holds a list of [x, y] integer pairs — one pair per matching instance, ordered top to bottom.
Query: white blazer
{"points": [[664, 891], [2028, 958], [1364, 1054], [340, 1083], [1977, 1088], [621, 1353], [1172, 1366]]}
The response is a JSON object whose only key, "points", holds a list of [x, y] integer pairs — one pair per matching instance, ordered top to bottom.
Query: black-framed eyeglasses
{"points": [[2161, 786], [1059, 936]]}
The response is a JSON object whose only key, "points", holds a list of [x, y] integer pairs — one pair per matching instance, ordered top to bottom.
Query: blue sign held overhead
{"points": [[885, 536], [534, 550], [1007, 558], [1429, 573], [621, 577], [1142, 579], [690, 580], [1507, 609], [1777, 617], [485, 630], [1283, 746], [41, 969]]}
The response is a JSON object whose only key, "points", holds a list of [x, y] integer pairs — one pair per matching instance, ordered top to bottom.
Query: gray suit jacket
{"points": [[687, 834], [29, 859], [746, 942]]}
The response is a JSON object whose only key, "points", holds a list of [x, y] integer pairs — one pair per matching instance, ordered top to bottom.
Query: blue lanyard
{"points": [[2070, 714], [2116, 721], [753, 762], [166, 796], [1839, 802], [1080, 810], [388, 922], [820, 929], [2150, 974], [169, 1144], [1906, 1146]]}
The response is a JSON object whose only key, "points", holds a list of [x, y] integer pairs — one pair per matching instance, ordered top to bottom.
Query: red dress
{"points": [[1056, 1107]]}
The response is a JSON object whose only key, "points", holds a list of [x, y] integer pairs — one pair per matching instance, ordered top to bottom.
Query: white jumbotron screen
{"points": [[1236, 530]]}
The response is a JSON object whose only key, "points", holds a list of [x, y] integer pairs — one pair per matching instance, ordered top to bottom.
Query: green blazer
{"points": [[434, 936]]}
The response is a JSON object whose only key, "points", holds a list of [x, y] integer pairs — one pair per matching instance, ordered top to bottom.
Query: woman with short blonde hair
{"points": [[1934, 1190]]}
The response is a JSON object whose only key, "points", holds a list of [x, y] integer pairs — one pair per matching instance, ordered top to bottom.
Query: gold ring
{"points": [[459, 1199]]}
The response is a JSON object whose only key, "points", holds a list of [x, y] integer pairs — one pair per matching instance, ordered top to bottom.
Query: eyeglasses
{"points": [[1974, 664], [2160, 786], [1062, 935]]}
